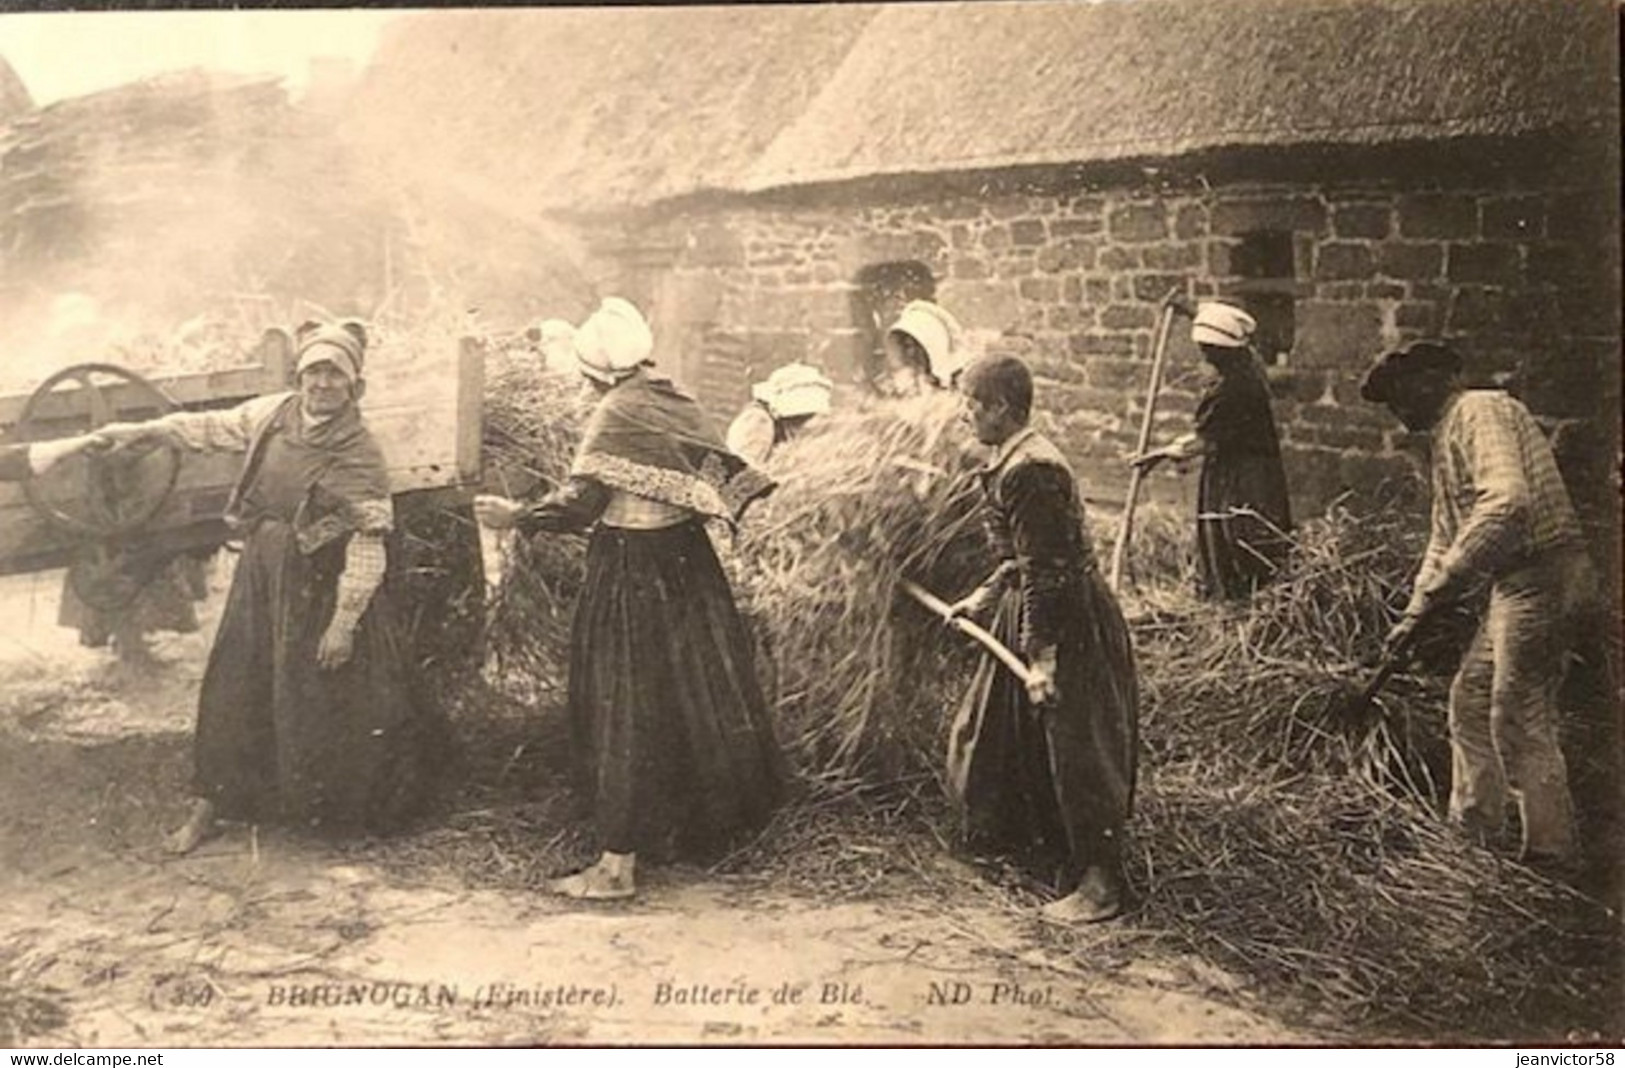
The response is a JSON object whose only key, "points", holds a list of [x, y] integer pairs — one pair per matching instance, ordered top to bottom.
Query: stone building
{"points": [[770, 182]]}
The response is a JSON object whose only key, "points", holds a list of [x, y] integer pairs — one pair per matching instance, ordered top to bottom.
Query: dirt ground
{"points": [[263, 939]]}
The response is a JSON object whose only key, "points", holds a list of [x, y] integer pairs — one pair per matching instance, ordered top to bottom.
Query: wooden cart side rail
{"points": [[470, 409], [65, 411], [430, 430]]}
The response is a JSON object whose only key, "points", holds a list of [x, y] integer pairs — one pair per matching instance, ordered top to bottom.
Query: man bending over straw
{"points": [[1502, 518], [1045, 770]]}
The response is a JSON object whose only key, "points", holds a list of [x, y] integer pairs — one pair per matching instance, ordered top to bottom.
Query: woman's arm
{"points": [[224, 430], [570, 509], [365, 561]]}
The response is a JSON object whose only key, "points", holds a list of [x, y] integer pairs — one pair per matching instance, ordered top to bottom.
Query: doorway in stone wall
{"points": [[882, 291]]}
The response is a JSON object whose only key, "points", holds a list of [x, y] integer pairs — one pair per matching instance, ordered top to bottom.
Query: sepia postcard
{"points": [[1045, 523]]}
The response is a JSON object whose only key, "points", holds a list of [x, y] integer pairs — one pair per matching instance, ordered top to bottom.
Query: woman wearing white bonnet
{"points": [[614, 342], [924, 349], [781, 406], [1243, 513], [670, 731]]}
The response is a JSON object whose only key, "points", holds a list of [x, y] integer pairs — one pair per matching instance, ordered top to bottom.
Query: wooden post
{"points": [[275, 352], [1159, 352], [470, 409]]}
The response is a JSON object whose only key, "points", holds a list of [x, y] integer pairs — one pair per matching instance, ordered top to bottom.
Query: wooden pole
{"points": [[1159, 352], [1017, 666]]}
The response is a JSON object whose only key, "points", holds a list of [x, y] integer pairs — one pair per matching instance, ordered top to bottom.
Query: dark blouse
{"points": [[1233, 414], [1036, 525]]}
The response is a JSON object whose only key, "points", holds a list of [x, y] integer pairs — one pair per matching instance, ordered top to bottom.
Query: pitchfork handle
{"points": [[1171, 304], [970, 629], [1385, 670]]}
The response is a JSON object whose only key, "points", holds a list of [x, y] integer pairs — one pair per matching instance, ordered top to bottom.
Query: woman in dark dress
{"points": [[1244, 517], [308, 713], [670, 730], [1045, 771]]}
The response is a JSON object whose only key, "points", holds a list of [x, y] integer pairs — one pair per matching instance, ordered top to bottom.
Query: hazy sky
{"points": [[63, 54]]}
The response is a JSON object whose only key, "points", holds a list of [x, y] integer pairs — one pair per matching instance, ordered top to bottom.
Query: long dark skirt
{"points": [[1238, 551], [671, 733], [281, 739], [1052, 788]]}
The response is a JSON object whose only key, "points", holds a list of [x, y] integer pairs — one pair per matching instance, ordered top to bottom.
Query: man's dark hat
{"points": [[1417, 358]]}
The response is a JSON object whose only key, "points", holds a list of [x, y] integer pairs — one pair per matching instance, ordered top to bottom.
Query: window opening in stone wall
{"points": [[1267, 265], [882, 291]]}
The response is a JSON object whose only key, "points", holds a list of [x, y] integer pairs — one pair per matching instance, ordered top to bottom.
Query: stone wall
{"points": [[1520, 265]]}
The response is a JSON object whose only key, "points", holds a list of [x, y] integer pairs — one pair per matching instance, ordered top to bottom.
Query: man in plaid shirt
{"points": [[1501, 518]]}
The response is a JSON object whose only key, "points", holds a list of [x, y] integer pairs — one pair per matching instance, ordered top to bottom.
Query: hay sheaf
{"points": [[533, 421], [867, 497], [1363, 909]]}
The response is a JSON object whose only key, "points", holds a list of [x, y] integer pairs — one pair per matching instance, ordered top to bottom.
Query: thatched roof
{"points": [[934, 87], [607, 108], [583, 109], [142, 206]]}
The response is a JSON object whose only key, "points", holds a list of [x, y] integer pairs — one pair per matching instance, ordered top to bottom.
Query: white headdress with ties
{"points": [[1222, 325], [938, 333], [557, 340], [613, 342], [796, 389]]}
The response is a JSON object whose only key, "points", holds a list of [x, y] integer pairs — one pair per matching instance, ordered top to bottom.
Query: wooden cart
{"points": [[115, 523]]}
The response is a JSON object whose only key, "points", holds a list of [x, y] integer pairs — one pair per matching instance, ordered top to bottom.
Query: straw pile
{"points": [[864, 678], [1265, 684], [1304, 854], [1308, 854], [1362, 909]]}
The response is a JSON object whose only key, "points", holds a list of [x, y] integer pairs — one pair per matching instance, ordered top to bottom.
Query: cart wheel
{"points": [[100, 495]]}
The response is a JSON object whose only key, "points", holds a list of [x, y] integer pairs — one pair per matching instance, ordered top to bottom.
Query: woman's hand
{"points": [[44, 455], [498, 513], [976, 607], [337, 645], [1041, 686]]}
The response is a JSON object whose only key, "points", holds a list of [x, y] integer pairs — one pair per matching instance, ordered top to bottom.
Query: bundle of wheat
{"points": [[533, 421], [867, 497], [1364, 908]]}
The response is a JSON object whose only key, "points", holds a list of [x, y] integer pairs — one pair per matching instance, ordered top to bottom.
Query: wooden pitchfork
{"points": [[1170, 307], [970, 629]]}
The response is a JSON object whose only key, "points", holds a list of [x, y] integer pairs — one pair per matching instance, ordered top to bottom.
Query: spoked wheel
{"points": [[99, 495], [97, 500]]}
